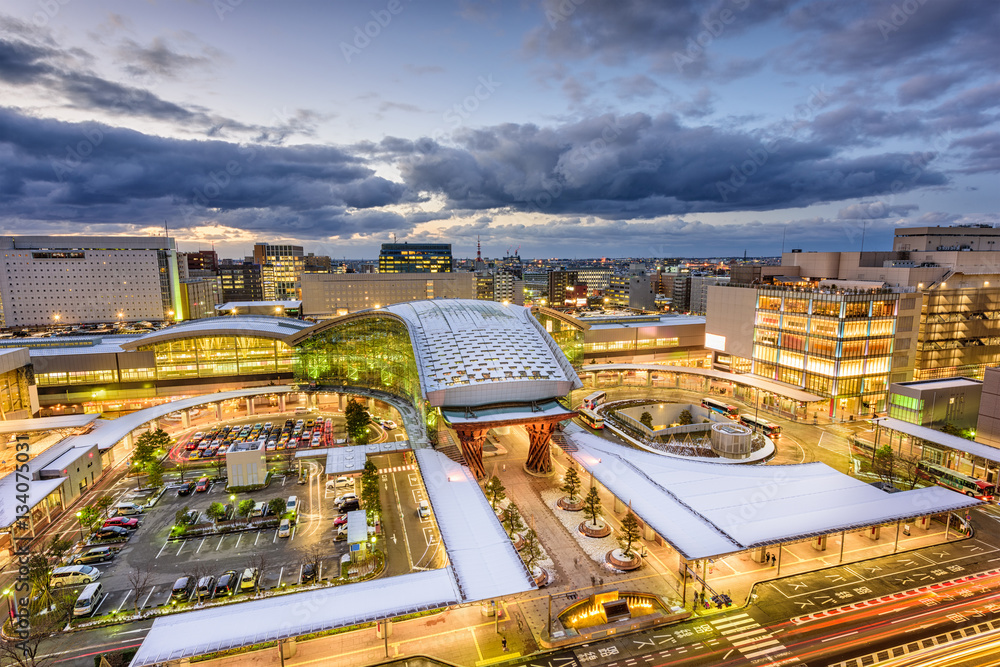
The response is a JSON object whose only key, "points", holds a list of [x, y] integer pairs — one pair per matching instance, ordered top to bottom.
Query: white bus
{"points": [[595, 399], [722, 408], [591, 418], [770, 429]]}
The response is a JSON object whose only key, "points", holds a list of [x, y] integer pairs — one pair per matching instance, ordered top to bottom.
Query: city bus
{"points": [[595, 399], [715, 405], [591, 418], [770, 429], [955, 480]]}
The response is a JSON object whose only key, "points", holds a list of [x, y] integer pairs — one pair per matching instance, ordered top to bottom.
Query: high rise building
{"points": [[415, 258], [203, 260], [317, 264], [281, 270], [80, 279], [596, 280], [241, 281], [559, 282], [508, 288], [632, 291], [332, 294], [199, 297], [845, 324]]}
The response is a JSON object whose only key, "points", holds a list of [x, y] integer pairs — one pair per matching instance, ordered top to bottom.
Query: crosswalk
{"points": [[396, 468], [753, 641]]}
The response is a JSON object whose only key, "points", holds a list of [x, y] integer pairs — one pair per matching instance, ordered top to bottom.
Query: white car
{"points": [[388, 424], [340, 483], [424, 510], [285, 528]]}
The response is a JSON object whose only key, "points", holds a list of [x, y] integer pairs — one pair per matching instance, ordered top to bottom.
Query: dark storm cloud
{"points": [[617, 31], [161, 59], [924, 87], [857, 123], [984, 152], [638, 166], [51, 170], [875, 210]]}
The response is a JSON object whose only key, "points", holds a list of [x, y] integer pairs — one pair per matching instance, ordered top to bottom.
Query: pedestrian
{"points": [[505, 467], [767, 558], [774, 559], [503, 642]]}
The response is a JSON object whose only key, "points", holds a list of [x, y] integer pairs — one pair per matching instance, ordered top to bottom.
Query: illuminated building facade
{"points": [[415, 258], [281, 270]]}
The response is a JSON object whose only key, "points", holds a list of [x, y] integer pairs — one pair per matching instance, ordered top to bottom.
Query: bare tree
{"points": [[259, 562], [138, 580], [31, 627]]}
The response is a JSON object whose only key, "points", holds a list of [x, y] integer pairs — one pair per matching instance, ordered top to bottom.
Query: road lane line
{"points": [[258, 536], [239, 538], [221, 540], [202, 544], [182, 546], [300, 572], [280, 573], [149, 595], [124, 600], [846, 634]]}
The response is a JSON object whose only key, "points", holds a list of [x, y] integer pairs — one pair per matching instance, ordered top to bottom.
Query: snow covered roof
{"points": [[229, 305], [258, 326], [739, 378], [505, 413], [46, 423], [110, 431], [944, 439], [342, 460], [38, 489], [705, 510], [482, 557], [278, 617]]}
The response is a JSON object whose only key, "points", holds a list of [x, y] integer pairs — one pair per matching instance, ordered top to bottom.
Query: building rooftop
{"points": [[229, 305], [259, 326], [935, 385]]}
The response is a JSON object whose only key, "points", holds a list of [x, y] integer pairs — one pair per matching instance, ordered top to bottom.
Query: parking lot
{"points": [[280, 559]]}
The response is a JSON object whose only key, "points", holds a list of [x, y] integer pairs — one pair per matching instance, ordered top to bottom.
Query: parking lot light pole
{"points": [[79, 518]]}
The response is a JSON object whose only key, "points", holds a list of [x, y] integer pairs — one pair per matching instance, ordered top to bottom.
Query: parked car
{"points": [[388, 424], [341, 483], [202, 485], [185, 489], [345, 498], [349, 506], [424, 510], [190, 518], [340, 520], [122, 522], [285, 528], [112, 533], [340, 534], [96, 555], [308, 573], [74, 575], [248, 581], [226, 585], [206, 586], [182, 589]]}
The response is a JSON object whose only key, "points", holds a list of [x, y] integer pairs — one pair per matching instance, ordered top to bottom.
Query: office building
{"points": [[415, 258], [203, 260], [317, 264], [281, 270], [47, 280], [596, 280], [241, 281], [559, 282], [508, 288], [632, 291], [332, 294], [698, 295], [199, 297], [640, 339], [988, 424]]}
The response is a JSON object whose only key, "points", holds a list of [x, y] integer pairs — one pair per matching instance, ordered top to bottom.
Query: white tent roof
{"points": [[45, 423], [944, 439], [341, 460], [38, 489], [707, 509], [482, 556], [218, 628]]}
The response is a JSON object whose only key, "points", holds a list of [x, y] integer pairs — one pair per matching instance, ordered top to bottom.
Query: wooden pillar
{"points": [[471, 440], [539, 460]]}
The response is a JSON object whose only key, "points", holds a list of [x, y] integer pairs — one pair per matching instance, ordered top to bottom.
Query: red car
{"points": [[202, 485], [340, 520], [122, 522]]}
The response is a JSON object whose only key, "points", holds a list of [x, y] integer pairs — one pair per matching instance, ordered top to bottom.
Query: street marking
{"points": [[221, 540], [202, 544], [182, 546], [162, 548], [280, 572], [300, 572], [151, 591], [128, 594], [846, 634]]}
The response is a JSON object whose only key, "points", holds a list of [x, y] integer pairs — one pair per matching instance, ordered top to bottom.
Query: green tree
{"points": [[685, 418], [357, 419], [646, 420], [144, 450], [884, 463], [154, 471], [571, 483], [495, 491], [370, 496], [104, 503], [592, 505], [277, 506], [245, 507], [216, 511], [89, 516], [180, 516], [511, 520], [629, 534], [58, 548], [531, 552], [40, 578]]}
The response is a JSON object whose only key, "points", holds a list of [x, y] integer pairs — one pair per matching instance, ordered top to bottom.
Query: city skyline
{"points": [[566, 129]]}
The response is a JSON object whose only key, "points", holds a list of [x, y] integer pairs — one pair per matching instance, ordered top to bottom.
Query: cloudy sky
{"points": [[570, 128]]}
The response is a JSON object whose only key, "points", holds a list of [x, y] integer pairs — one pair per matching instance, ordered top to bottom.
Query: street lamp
{"points": [[56, 317], [79, 518]]}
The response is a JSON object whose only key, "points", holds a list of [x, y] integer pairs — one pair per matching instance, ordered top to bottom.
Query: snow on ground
{"points": [[596, 547], [545, 561]]}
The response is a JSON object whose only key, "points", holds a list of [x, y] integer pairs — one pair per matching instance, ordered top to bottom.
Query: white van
{"points": [[292, 505], [127, 509], [74, 575], [87, 603]]}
